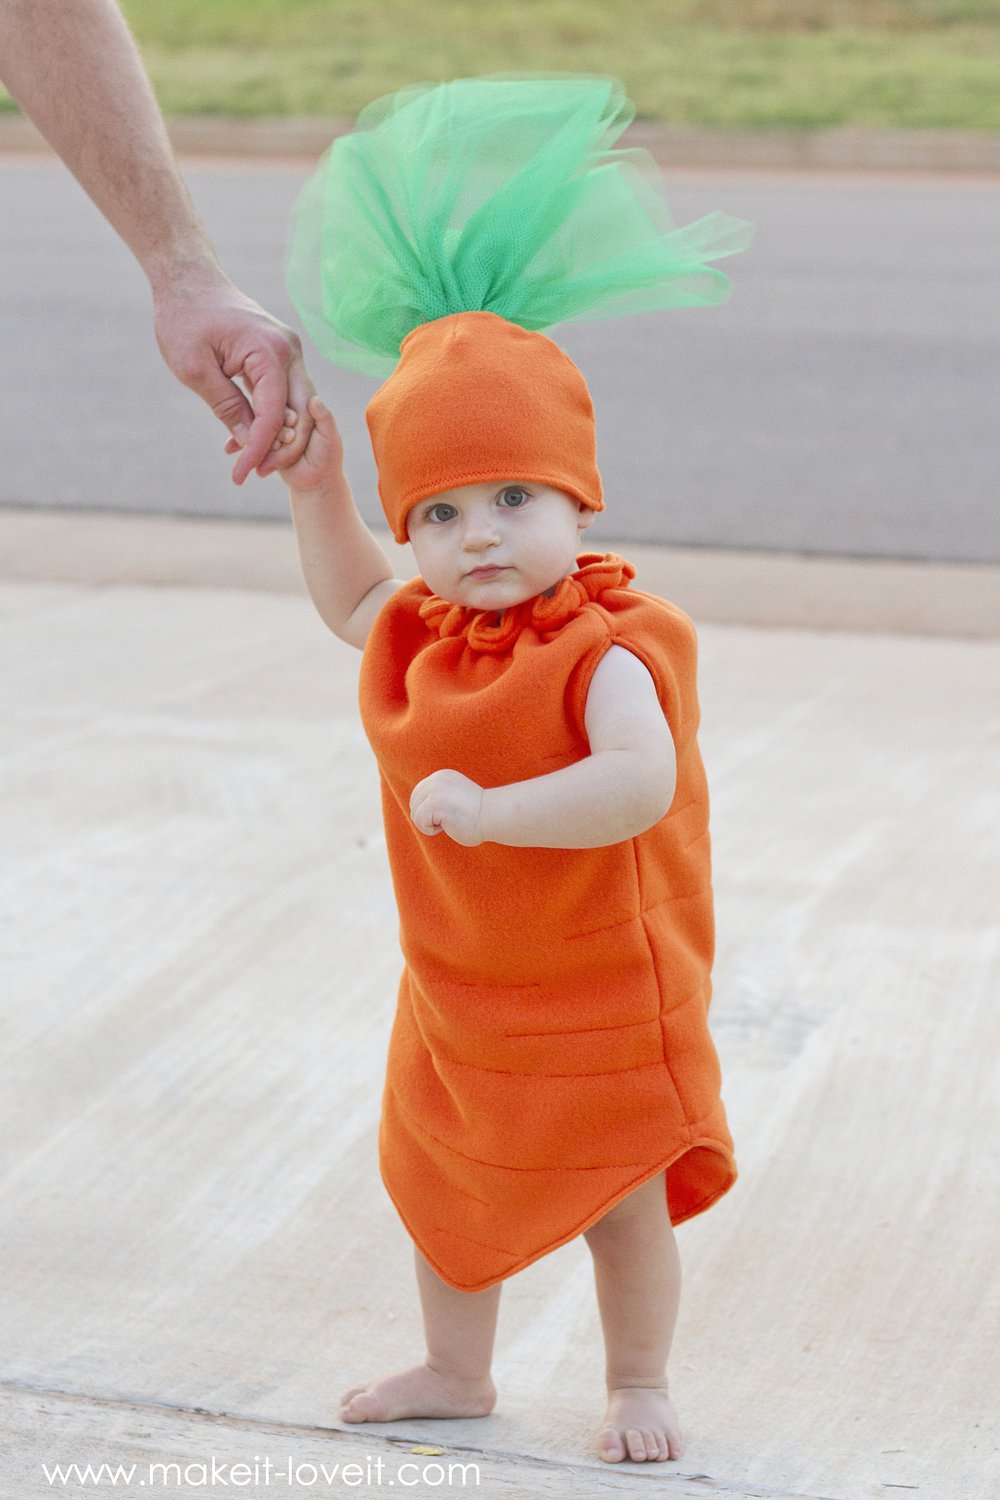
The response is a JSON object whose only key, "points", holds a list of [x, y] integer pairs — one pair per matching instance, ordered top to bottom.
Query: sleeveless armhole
{"points": [[656, 661]]}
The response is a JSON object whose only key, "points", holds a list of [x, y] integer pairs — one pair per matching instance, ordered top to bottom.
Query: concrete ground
{"points": [[200, 971]]}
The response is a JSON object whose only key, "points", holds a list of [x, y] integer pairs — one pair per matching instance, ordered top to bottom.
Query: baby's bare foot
{"points": [[417, 1392], [640, 1424]]}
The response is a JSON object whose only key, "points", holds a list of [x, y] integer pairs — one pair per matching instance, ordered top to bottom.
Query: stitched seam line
{"points": [[637, 916], [486, 984], [587, 1030], [455, 1062], [481, 1161], [468, 1240]]}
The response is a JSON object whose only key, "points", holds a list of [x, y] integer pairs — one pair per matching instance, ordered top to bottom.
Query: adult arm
{"points": [[74, 69], [624, 786]]}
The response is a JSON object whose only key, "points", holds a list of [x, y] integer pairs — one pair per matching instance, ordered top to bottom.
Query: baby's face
{"points": [[493, 545]]}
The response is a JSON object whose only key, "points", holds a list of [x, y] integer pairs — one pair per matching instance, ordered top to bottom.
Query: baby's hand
{"points": [[321, 462], [448, 802]]}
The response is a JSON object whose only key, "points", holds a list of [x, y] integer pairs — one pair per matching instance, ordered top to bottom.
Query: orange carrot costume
{"points": [[550, 1050]]}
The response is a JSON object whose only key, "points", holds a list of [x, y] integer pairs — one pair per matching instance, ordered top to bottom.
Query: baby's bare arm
{"points": [[346, 572], [622, 788]]}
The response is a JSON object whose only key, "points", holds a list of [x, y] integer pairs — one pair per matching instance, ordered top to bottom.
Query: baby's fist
{"points": [[321, 462], [448, 802]]}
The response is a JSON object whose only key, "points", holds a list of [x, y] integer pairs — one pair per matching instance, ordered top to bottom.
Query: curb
{"points": [[840, 148]]}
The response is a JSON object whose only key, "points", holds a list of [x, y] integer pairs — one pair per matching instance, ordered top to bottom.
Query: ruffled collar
{"points": [[485, 630]]}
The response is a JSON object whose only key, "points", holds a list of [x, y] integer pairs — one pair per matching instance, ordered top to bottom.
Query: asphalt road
{"points": [[843, 401]]}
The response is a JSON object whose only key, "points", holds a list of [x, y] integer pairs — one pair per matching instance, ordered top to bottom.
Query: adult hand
{"points": [[73, 67], [211, 335]]}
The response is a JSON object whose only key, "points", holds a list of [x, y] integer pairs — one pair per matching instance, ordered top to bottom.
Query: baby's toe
{"points": [[355, 1405], [369, 1407], [675, 1440], [635, 1442], [610, 1445], [654, 1445]]}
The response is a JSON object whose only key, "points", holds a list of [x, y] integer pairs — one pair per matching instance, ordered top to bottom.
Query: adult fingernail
{"points": [[241, 433]]}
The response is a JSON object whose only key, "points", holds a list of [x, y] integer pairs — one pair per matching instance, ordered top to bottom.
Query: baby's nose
{"points": [[480, 531]]}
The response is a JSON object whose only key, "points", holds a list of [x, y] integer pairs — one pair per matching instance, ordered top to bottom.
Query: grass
{"points": [[737, 63]]}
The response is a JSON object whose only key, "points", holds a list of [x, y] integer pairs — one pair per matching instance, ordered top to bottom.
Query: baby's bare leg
{"points": [[638, 1275], [454, 1379]]}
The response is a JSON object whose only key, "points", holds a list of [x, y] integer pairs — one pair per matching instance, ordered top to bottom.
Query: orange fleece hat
{"points": [[475, 398]]}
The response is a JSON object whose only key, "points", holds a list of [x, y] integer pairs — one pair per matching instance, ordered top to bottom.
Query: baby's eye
{"points": [[513, 497], [433, 513]]}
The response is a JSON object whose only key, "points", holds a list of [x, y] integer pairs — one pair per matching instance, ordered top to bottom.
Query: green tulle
{"points": [[501, 193]]}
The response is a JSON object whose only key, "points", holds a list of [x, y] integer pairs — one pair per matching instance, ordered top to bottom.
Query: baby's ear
{"points": [[587, 514]]}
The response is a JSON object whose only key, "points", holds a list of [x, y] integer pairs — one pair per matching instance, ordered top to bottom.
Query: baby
{"points": [[488, 548], [534, 718]]}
